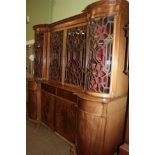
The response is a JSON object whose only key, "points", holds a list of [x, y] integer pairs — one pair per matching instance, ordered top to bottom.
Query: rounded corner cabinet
{"points": [[80, 86]]}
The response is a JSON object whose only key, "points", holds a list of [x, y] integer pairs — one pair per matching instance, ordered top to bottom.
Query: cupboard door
{"points": [[32, 104], [47, 109], [65, 119]]}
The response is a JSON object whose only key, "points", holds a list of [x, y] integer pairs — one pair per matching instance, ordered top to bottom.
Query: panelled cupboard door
{"points": [[32, 104], [47, 109], [65, 119]]}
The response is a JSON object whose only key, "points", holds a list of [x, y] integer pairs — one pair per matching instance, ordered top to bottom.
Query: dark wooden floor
{"points": [[42, 141]]}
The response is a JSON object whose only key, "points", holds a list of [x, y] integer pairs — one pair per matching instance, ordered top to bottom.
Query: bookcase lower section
{"points": [[90, 125]]}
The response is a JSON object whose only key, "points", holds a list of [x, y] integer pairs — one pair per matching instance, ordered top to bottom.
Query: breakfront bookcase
{"points": [[79, 89]]}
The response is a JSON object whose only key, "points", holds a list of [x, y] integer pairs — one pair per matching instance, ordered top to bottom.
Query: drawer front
{"points": [[31, 84], [48, 88], [67, 95]]}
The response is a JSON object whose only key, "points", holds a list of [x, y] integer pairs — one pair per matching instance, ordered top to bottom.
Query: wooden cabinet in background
{"points": [[32, 103]]}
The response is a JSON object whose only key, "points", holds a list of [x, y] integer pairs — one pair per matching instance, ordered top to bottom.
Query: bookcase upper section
{"points": [[86, 51]]}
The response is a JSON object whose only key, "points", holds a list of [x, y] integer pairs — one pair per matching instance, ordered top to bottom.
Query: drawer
{"points": [[31, 85], [48, 88], [67, 95]]}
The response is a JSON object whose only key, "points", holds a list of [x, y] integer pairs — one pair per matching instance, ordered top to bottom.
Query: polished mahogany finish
{"points": [[49, 89], [82, 93], [66, 95], [32, 100], [32, 104], [48, 109], [58, 110], [65, 119], [100, 126]]}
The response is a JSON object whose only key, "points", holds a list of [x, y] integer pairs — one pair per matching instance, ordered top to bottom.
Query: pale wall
{"points": [[66, 8], [48, 11], [39, 12]]}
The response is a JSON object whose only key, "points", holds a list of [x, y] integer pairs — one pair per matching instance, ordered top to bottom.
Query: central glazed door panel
{"points": [[75, 55], [47, 109], [65, 119]]}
